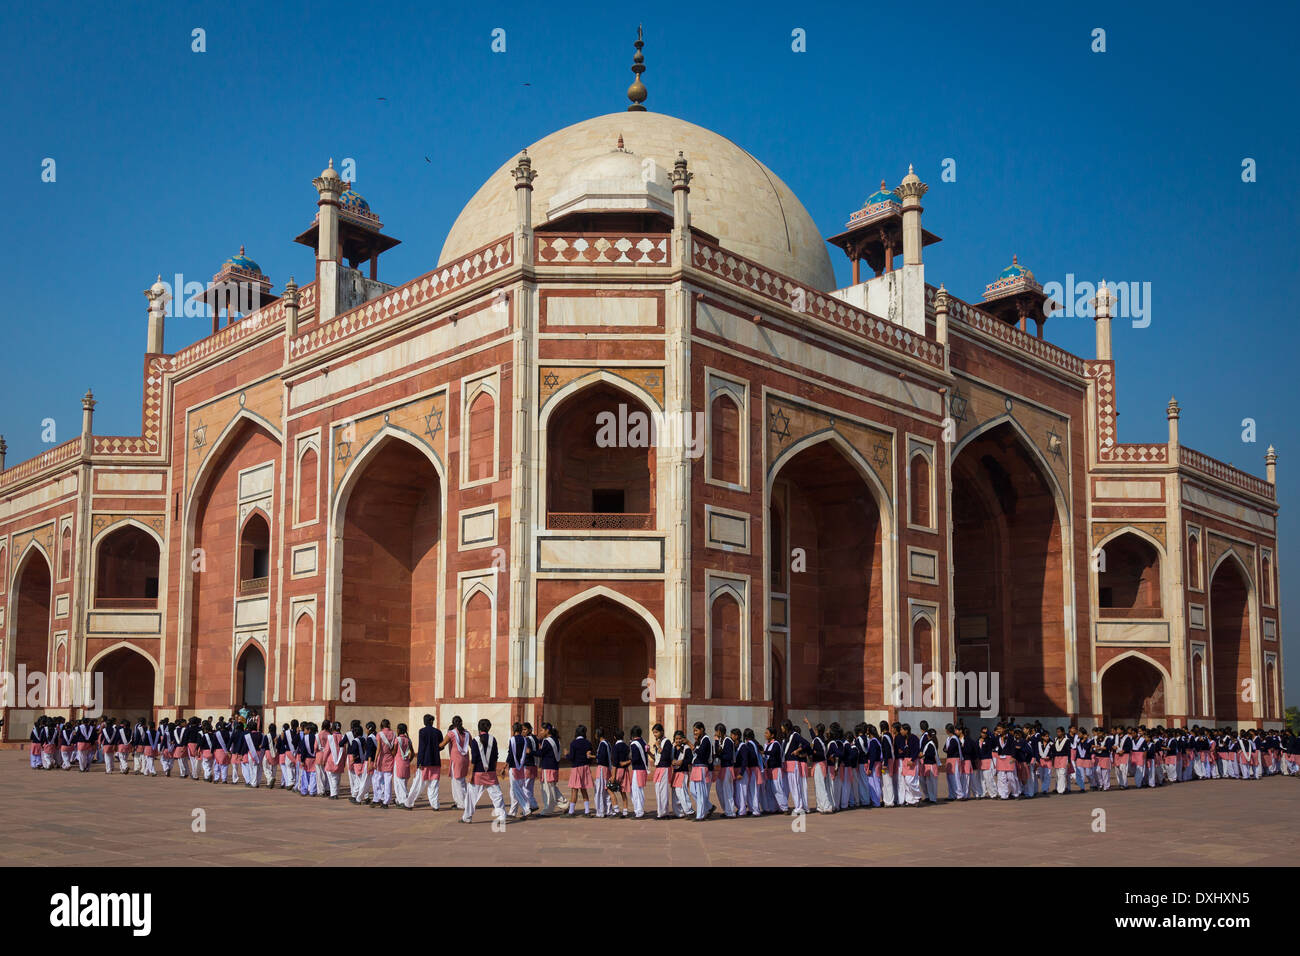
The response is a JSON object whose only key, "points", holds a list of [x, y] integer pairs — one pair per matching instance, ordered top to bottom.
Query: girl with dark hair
{"points": [[458, 757], [580, 757]]}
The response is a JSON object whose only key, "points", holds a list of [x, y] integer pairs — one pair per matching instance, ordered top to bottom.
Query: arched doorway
{"points": [[600, 461], [390, 532], [1007, 560], [221, 566], [126, 569], [1128, 577], [30, 607], [1230, 642], [598, 656], [834, 658], [250, 677], [128, 684], [1133, 693]]}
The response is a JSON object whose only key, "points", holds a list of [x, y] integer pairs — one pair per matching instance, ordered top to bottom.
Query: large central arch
{"points": [[829, 517], [387, 533], [1010, 582], [130, 677]]}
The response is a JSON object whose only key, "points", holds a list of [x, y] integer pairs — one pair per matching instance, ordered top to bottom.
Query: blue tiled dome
{"points": [[883, 194], [353, 202], [242, 262], [1015, 270]]}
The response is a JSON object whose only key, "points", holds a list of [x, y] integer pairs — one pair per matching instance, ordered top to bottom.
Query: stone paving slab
{"points": [[56, 818]]}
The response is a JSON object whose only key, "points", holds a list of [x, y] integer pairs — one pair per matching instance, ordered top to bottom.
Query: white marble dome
{"points": [[733, 195]]}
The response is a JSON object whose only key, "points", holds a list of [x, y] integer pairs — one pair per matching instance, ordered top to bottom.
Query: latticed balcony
{"points": [[600, 521]]}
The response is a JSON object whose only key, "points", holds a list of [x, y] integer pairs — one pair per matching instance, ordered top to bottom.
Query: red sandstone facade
{"points": [[367, 500]]}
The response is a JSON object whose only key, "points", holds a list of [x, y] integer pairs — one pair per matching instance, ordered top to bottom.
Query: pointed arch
{"points": [[242, 428], [385, 441], [886, 516], [1065, 528], [107, 578], [600, 591], [1233, 606], [30, 610], [131, 679], [1165, 686]]}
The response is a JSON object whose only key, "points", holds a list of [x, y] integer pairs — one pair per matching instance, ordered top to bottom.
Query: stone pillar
{"points": [[524, 176], [681, 178], [330, 186], [910, 192], [158, 297], [1101, 305], [291, 309], [941, 316], [1172, 412], [87, 415], [1270, 463]]}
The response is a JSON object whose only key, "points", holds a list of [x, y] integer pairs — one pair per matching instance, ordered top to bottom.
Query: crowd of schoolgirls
{"points": [[694, 776]]}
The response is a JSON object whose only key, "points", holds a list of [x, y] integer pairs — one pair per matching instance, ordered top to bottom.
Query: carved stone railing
{"points": [[601, 249], [494, 257], [802, 298], [981, 321], [46, 460], [1197, 461], [600, 521], [254, 585], [126, 604]]}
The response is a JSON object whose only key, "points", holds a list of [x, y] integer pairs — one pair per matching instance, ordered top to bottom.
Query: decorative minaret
{"points": [[637, 91], [524, 175], [681, 178], [329, 184], [910, 190], [158, 297], [290, 298], [1101, 305], [941, 315], [1172, 412], [87, 415], [3, 448], [1270, 462]]}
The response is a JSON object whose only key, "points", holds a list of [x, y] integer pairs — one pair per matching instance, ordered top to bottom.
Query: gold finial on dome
{"points": [[637, 91]]}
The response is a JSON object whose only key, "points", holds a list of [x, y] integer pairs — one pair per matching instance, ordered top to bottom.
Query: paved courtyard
{"points": [[75, 819]]}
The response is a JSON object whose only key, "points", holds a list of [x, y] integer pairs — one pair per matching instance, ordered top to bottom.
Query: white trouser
{"points": [[66, 757], [83, 760], [108, 763], [150, 769], [268, 770], [250, 772], [286, 774], [1121, 774], [1062, 775], [989, 783], [330, 784], [1008, 784], [418, 785], [862, 785], [384, 786], [725, 786], [956, 786], [975, 786], [930, 787], [823, 788], [844, 788], [873, 788], [889, 788], [909, 788], [400, 789], [458, 790], [473, 791], [797, 791], [776, 792], [519, 793], [637, 793], [700, 793], [601, 794], [747, 794], [550, 796], [664, 796], [684, 806]]}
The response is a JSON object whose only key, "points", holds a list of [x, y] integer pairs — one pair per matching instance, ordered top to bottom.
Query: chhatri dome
{"points": [[733, 196]]}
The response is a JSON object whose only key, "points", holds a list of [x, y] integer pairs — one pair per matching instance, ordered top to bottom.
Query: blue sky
{"points": [[1124, 164]]}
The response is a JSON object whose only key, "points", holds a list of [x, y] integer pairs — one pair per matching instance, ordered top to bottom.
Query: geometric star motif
{"points": [[551, 380], [652, 381], [957, 405], [433, 423], [779, 424], [200, 434], [1054, 443], [344, 449], [881, 454]]}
